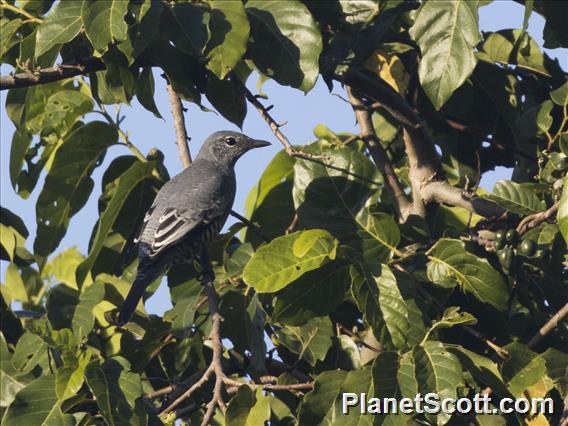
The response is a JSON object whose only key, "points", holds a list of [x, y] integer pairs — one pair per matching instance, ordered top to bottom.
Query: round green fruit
{"points": [[500, 235], [511, 236], [499, 244], [527, 248], [506, 258]]}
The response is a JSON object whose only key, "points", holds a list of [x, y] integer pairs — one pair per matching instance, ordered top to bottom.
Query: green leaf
{"points": [[104, 22], [60, 26], [286, 27], [8, 28], [189, 28], [447, 34], [229, 35], [504, 47], [145, 91], [560, 95], [227, 98], [536, 121], [21, 141], [127, 182], [68, 184], [333, 194], [515, 197], [269, 203], [562, 215], [450, 264], [276, 265], [62, 267], [14, 284], [316, 293], [378, 298], [83, 317], [451, 318], [311, 341], [556, 365], [522, 368], [385, 369], [483, 369], [438, 371], [70, 375], [116, 390], [37, 404], [317, 406], [248, 407]]}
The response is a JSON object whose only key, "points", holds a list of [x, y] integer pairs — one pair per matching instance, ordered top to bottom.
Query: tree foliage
{"points": [[375, 263]]}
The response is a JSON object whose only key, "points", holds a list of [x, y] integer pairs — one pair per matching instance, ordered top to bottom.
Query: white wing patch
{"points": [[172, 227]]}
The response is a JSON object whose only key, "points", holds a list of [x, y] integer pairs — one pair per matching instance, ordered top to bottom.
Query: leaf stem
{"points": [[24, 13]]}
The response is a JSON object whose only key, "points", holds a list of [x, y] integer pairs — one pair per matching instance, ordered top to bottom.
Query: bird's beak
{"points": [[257, 143]]}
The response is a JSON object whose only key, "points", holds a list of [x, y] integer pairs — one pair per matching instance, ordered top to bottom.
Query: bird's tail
{"points": [[144, 278]]}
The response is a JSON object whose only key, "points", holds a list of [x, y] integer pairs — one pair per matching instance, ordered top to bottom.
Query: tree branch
{"points": [[48, 75], [179, 125], [379, 155], [535, 219], [548, 327]]}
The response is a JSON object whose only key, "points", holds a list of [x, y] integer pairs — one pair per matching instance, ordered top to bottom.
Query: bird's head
{"points": [[226, 147]]}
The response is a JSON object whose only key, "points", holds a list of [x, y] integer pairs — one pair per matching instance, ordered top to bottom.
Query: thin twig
{"points": [[24, 13], [179, 126], [537, 218], [250, 224], [548, 327], [359, 340], [271, 386]]}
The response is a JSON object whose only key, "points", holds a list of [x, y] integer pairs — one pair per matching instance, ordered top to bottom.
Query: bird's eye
{"points": [[230, 141]]}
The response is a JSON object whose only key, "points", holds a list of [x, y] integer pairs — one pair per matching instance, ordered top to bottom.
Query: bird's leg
{"points": [[216, 365]]}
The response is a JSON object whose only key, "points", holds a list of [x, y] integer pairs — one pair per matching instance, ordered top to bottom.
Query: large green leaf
{"points": [[104, 22], [61, 26], [286, 27], [8, 28], [188, 28], [447, 34], [229, 35], [503, 47], [145, 91], [227, 98], [128, 181], [68, 184], [333, 193], [515, 197], [562, 215], [286, 258], [450, 264], [62, 267], [314, 294], [378, 297], [83, 317], [452, 317], [311, 341], [522, 368], [437, 371], [70, 374], [117, 391], [37, 404], [318, 405], [248, 407]]}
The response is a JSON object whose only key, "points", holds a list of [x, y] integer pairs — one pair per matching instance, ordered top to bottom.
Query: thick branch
{"points": [[47, 75], [179, 125], [380, 157]]}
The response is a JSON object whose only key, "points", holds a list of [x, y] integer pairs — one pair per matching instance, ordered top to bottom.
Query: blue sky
{"points": [[302, 112]]}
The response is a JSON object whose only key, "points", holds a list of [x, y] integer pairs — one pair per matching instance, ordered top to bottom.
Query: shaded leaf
{"points": [[286, 27], [229, 35], [145, 91], [68, 183], [450, 265], [378, 297], [310, 341], [522, 368], [248, 407]]}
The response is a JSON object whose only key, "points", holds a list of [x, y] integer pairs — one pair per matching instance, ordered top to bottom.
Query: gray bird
{"points": [[188, 211]]}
